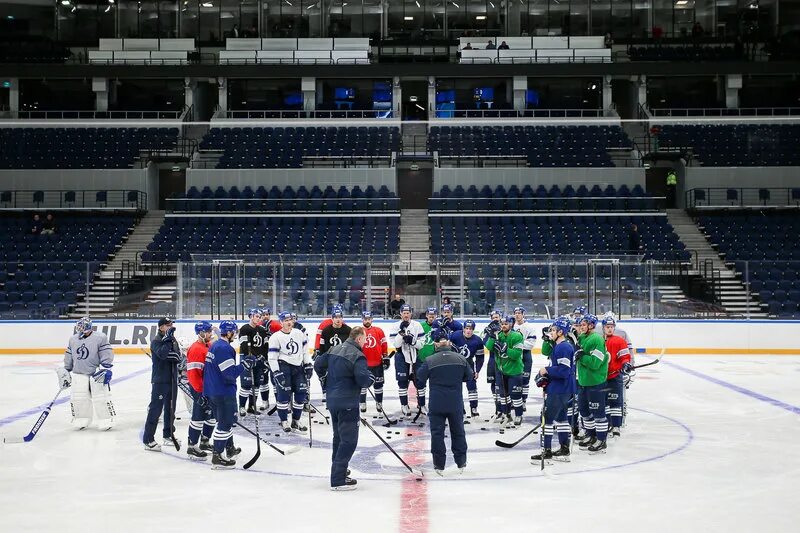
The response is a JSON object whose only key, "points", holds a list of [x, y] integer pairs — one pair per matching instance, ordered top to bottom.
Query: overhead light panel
{"points": [[417, 2], [207, 4], [480, 17]]}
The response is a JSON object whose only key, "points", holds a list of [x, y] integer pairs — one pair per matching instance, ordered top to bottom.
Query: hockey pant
{"points": [[527, 364], [376, 371], [403, 371], [491, 372], [247, 384], [472, 385], [292, 389], [510, 393], [616, 397], [89, 400], [162, 400], [592, 407], [225, 414], [555, 418], [202, 420], [455, 421], [345, 440]]}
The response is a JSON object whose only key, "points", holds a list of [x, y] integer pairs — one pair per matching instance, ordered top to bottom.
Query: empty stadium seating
{"points": [[682, 53], [737, 145], [544, 146], [79, 147], [286, 147], [287, 199], [542, 199], [553, 235], [179, 237], [763, 247], [42, 275]]}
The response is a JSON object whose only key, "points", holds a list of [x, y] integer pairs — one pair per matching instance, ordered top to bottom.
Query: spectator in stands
{"points": [[235, 31], [252, 32], [608, 41], [490, 45], [468, 46], [503, 46], [36, 224], [49, 225], [634, 242], [446, 301], [395, 305]]}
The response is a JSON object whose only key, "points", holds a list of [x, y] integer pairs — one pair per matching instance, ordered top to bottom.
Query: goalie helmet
{"points": [[83, 326]]}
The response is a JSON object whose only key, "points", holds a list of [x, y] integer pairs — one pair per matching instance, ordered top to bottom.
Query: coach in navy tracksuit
{"points": [[165, 354], [447, 371], [347, 373]]}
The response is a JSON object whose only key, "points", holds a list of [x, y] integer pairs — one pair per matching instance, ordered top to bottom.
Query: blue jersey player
{"points": [[446, 322], [470, 346]]}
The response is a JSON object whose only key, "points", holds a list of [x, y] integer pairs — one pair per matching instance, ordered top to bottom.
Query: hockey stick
{"points": [[657, 359], [172, 387], [320, 413], [389, 421], [541, 423], [37, 426], [310, 431], [512, 444], [288, 451], [252, 461], [419, 473]]}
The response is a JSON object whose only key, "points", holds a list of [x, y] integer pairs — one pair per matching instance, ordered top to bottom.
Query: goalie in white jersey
{"points": [[87, 368]]}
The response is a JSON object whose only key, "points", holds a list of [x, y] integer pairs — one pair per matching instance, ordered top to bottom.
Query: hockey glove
{"points": [[404, 325], [546, 332], [170, 334], [408, 339], [501, 348], [578, 354], [315, 355], [248, 361], [387, 362], [627, 368], [309, 370], [102, 375], [64, 378], [542, 380], [280, 381], [202, 401]]}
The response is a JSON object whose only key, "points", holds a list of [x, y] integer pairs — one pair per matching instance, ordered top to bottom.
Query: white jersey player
{"points": [[528, 332], [408, 337], [88, 360], [291, 367]]}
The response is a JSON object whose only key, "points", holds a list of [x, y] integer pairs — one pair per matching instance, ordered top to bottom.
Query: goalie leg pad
{"points": [[80, 401], [103, 406]]}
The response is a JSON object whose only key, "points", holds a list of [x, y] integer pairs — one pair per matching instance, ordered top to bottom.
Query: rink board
{"points": [[701, 337]]}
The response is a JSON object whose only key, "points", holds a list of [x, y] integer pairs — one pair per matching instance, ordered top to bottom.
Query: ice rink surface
{"points": [[710, 445]]}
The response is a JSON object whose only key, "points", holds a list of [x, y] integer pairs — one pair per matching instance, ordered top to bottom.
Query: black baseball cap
{"points": [[164, 321]]}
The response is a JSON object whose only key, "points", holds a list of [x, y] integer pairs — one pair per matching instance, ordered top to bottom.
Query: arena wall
{"points": [[521, 176], [736, 177], [701, 337]]}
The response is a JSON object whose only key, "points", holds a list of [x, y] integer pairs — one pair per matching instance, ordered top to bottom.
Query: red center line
{"points": [[414, 494]]}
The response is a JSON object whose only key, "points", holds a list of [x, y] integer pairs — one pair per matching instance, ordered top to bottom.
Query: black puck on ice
{"points": [[422, 425], [483, 429], [396, 432], [277, 434], [408, 434], [388, 437]]}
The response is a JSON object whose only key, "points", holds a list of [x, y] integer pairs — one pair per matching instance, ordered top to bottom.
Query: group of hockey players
{"points": [[583, 383]]}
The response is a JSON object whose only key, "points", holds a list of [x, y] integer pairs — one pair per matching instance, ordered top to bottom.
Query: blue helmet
{"points": [[336, 307], [447, 307], [405, 308], [520, 309], [580, 310], [254, 311], [265, 311], [431, 311], [336, 312], [495, 312], [366, 314], [284, 315], [293, 315], [590, 318], [509, 319], [609, 320], [469, 323], [563, 323], [84, 325], [202, 326], [228, 326], [439, 335]]}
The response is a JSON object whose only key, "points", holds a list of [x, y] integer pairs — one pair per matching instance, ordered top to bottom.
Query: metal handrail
{"points": [[725, 112], [521, 113], [307, 114], [101, 115], [710, 197], [70, 199]]}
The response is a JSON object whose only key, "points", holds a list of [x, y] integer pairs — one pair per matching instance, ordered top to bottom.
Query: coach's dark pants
{"points": [[162, 398], [455, 419], [345, 440]]}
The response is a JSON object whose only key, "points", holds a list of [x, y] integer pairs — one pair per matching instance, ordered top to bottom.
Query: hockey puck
{"points": [[422, 425], [483, 429], [502, 431], [396, 432], [277, 434], [408, 434], [388, 437], [419, 479]]}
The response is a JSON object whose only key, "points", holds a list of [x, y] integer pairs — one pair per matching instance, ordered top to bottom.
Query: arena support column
{"points": [[733, 82], [520, 86], [100, 88], [309, 88], [13, 96]]}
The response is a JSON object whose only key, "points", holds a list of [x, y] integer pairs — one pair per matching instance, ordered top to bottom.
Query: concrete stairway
{"points": [[414, 138], [415, 240], [728, 285], [108, 286]]}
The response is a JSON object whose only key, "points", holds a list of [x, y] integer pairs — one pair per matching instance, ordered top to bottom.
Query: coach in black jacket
{"points": [[446, 370], [347, 373]]}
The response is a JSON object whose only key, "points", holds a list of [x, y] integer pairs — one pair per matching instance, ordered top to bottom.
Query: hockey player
{"points": [[266, 320], [446, 321], [325, 323], [297, 325], [429, 325], [491, 331], [335, 333], [621, 333], [528, 334], [408, 337], [253, 339], [548, 345], [470, 346], [375, 350], [165, 354], [508, 359], [88, 360], [591, 360], [619, 362], [291, 368], [446, 370], [558, 381], [219, 384], [202, 414]]}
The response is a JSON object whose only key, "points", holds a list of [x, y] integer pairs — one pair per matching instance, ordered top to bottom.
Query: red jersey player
{"points": [[376, 350], [619, 356], [202, 419]]}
